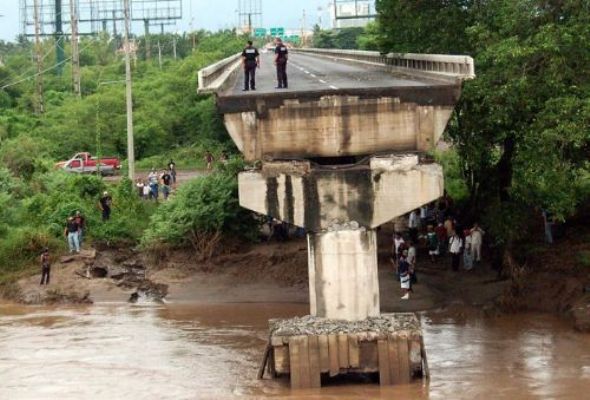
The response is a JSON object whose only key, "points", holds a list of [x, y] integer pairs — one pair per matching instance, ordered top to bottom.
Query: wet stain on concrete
{"points": [[272, 197], [289, 201], [312, 206]]}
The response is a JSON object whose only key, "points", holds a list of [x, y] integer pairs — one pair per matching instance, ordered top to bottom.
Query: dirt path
{"points": [[182, 176]]}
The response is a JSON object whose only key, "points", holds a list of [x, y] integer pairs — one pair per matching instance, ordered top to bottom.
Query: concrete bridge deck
{"points": [[312, 73], [339, 102]]}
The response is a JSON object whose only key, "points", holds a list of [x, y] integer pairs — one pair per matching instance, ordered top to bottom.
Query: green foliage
{"points": [[410, 26], [345, 38], [167, 110], [171, 120], [521, 128], [22, 156], [453, 171], [203, 208], [22, 245]]}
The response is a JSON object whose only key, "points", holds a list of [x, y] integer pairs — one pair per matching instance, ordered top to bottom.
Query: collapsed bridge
{"points": [[341, 153]]}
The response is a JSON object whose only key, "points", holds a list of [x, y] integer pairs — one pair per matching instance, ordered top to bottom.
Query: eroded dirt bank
{"points": [[276, 272]]}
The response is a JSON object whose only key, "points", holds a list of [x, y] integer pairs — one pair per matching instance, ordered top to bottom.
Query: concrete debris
{"points": [[149, 292], [311, 326]]}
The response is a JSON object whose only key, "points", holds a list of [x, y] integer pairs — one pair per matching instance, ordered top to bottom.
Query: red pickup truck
{"points": [[84, 163]]}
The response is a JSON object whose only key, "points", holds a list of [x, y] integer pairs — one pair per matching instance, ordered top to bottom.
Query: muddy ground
{"points": [[263, 272], [277, 272]]}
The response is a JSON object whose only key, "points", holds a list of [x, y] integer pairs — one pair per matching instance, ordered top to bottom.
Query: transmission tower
{"points": [[249, 15]]}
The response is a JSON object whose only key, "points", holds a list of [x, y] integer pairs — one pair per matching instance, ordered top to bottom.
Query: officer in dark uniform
{"points": [[281, 57], [250, 61]]}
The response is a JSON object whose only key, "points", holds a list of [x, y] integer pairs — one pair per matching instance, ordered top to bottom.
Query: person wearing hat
{"points": [[105, 203], [45, 267]]}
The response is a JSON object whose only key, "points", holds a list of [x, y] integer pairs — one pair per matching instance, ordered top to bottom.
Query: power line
{"points": [[42, 72]]}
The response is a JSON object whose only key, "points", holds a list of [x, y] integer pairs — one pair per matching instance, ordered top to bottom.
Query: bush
{"points": [[23, 156], [203, 212], [21, 246]]}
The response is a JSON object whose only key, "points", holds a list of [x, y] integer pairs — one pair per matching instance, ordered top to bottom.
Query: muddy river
{"points": [[119, 351]]}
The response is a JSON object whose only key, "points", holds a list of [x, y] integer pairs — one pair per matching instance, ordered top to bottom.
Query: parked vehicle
{"points": [[84, 163]]}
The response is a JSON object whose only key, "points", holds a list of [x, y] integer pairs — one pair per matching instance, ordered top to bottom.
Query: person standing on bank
{"points": [[281, 58], [250, 61], [105, 204], [72, 234], [455, 248], [45, 267]]}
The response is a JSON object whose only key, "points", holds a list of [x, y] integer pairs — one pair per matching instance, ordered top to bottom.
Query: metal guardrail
{"points": [[429, 65], [215, 76]]}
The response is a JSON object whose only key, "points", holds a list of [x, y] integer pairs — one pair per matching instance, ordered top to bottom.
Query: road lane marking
{"points": [[322, 81], [333, 87]]}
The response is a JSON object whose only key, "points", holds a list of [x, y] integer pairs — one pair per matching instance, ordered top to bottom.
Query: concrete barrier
{"points": [[436, 66], [214, 77]]}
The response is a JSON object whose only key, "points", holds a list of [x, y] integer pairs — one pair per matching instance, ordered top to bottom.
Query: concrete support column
{"points": [[343, 274]]}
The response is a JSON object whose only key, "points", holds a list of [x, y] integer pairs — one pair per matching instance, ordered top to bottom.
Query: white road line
{"points": [[313, 76], [322, 81], [333, 87]]}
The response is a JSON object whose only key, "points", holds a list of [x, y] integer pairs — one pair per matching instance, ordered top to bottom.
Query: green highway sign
{"points": [[260, 32], [280, 32]]}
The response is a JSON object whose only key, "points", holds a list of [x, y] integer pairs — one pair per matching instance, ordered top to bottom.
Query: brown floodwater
{"points": [[120, 351]]}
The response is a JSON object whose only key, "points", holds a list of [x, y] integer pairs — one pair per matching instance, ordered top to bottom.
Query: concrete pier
{"points": [[343, 274]]}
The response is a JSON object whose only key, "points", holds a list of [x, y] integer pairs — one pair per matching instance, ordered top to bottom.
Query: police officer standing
{"points": [[281, 57], [250, 61]]}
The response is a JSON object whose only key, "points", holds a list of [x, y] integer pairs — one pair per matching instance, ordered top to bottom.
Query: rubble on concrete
{"points": [[311, 326]]}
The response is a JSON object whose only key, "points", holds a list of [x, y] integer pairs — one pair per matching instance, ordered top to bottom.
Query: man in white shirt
{"points": [[423, 216], [476, 242], [455, 247]]}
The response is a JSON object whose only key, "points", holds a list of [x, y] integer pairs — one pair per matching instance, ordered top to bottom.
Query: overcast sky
{"points": [[206, 14]]}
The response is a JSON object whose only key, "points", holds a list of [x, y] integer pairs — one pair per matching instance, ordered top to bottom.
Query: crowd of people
{"points": [[157, 182], [436, 227]]}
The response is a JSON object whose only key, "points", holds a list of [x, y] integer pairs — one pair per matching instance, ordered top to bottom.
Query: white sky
{"points": [[206, 14]]}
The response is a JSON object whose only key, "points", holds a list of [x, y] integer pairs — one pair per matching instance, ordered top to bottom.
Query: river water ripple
{"points": [[120, 351]]}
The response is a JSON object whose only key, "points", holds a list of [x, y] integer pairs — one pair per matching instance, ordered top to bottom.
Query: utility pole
{"points": [[114, 23], [148, 45], [174, 47], [75, 49], [159, 55], [129, 95], [39, 107]]}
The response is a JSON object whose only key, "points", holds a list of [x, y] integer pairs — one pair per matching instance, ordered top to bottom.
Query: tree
{"points": [[521, 128]]}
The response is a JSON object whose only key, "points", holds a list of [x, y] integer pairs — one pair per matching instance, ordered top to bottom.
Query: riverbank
{"points": [[264, 272], [276, 272]]}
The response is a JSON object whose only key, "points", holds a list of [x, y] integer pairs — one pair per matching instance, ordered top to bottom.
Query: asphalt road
{"points": [[308, 73]]}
